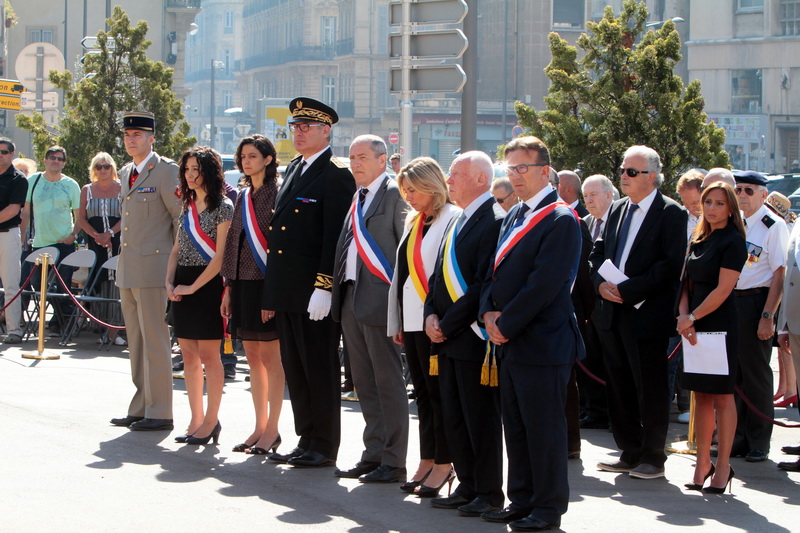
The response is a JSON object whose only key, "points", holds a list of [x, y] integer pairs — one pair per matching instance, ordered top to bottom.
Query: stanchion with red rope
{"points": [[44, 261], [21, 288], [82, 308]]}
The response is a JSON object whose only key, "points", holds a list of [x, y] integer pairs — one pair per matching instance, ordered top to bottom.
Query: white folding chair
{"points": [[33, 294], [110, 306]]}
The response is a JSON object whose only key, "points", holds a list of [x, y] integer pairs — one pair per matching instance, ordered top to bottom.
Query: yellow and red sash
{"points": [[416, 267]]}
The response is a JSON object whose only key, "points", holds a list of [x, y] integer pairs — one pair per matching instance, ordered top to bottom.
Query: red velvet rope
{"points": [[21, 288], [82, 308]]}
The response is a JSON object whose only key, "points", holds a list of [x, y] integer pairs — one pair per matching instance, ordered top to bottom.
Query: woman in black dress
{"points": [[717, 255], [243, 268], [194, 286]]}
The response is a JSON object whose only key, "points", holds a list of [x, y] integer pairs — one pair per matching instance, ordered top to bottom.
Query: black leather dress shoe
{"points": [[126, 420], [590, 422], [152, 424], [791, 450], [756, 456], [284, 457], [311, 459], [790, 466], [361, 468], [385, 474], [451, 502], [476, 508], [504, 516], [531, 523]]}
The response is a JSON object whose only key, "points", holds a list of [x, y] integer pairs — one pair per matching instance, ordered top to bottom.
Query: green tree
{"points": [[117, 77], [621, 92]]}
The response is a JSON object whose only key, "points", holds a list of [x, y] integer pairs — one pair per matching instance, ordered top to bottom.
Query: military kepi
{"points": [[309, 110], [139, 120], [750, 176]]}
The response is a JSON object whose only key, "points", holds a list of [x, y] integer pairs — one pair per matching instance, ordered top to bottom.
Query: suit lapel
{"points": [[283, 195], [376, 202], [473, 220], [649, 221]]}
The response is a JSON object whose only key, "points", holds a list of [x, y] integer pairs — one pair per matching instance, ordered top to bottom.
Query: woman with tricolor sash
{"points": [[422, 183], [243, 267], [194, 286]]}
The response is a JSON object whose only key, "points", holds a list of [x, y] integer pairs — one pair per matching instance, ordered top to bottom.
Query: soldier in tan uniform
{"points": [[150, 211]]}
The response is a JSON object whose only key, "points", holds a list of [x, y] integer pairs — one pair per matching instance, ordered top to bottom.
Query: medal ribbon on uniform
{"points": [[521, 229], [258, 243], [204, 244], [368, 249], [416, 268], [453, 278]]}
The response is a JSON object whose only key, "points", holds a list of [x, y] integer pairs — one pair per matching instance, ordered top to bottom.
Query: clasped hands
{"points": [[610, 292], [686, 329]]}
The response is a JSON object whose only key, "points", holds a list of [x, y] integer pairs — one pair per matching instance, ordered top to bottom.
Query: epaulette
{"points": [[298, 156], [167, 159], [338, 162], [768, 221]]}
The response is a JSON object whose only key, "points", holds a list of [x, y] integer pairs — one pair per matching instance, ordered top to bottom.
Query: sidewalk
{"points": [[65, 468]]}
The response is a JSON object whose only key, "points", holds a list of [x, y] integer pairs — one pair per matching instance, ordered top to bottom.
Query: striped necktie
{"points": [[348, 238]]}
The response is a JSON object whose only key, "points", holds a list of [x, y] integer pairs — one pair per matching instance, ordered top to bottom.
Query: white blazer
{"points": [[412, 305]]}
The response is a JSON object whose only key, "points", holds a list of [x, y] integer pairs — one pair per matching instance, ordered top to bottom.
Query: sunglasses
{"points": [[303, 128], [6, 152], [54, 158], [102, 167], [522, 168], [632, 172], [749, 191], [501, 201]]}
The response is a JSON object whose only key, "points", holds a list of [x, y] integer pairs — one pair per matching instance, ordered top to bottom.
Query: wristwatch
{"points": [[767, 314], [692, 318]]}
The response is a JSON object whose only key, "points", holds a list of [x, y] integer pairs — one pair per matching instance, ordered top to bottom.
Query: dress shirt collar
{"points": [[310, 160], [140, 166], [538, 197], [646, 202], [475, 204], [755, 217]]}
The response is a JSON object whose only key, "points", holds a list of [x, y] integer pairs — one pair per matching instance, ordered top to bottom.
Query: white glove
{"points": [[320, 304]]}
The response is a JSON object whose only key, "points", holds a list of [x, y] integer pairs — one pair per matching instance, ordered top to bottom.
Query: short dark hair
{"points": [[8, 142], [530, 144], [266, 148], [55, 150], [394, 156], [211, 169]]}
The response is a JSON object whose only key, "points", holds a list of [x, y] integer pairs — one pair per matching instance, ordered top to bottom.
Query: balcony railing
{"points": [[184, 3], [344, 47], [288, 55]]}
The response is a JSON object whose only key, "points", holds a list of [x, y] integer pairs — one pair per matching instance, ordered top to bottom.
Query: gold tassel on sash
{"points": [[228, 346], [489, 369], [434, 371]]}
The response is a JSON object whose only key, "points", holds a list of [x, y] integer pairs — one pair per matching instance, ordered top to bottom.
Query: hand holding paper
{"points": [[612, 274]]}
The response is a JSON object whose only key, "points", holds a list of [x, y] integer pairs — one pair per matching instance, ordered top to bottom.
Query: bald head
{"points": [[719, 174], [470, 176], [569, 186]]}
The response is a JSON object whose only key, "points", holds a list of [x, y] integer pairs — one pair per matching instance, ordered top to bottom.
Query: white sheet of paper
{"points": [[612, 274], [708, 356]]}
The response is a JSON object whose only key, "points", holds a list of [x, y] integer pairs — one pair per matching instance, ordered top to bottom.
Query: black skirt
{"points": [[197, 316], [245, 322]]}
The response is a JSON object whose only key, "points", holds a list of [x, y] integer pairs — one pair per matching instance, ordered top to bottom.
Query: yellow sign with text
{"points": [[11, 87], [9, 102]]}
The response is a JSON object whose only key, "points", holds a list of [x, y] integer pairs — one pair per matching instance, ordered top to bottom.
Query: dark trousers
{"points": [[311, 364], [754, 375], [636, 384], [593, 394], [532, 401], [572, 412], [474, 432], [432, 439]]}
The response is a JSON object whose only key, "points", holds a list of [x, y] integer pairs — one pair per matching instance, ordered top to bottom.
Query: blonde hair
{"points": [[102, 157], [21, 163], [425, 175]]}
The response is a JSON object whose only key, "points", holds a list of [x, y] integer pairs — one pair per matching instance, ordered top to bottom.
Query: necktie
{"points": [[132, 179], [523, 208], [460, 222], [596, 230], [623, 234], [348, 238]]}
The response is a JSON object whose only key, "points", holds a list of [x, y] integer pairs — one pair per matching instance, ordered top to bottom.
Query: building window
{"points": [[749, 6], [599, 7], [569, 14], [790, 17], [229, 22], [383, 30], [328, 33], [40, 35], [227, 61], [329, 90], [746, 91], [384, 99], [227, 100]]}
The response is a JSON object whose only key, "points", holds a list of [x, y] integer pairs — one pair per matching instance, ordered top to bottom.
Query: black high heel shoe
{"points": [[213, 435], [182, 438], [243, 447], [255, 450], [409, 486], [695, 486], [720, 490], [424, 491]]}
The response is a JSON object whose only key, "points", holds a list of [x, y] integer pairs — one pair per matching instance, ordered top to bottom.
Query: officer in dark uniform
{"points": [[309, 212]]}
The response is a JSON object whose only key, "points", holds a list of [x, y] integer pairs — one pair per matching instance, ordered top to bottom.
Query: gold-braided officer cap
{"points": [[306, 109], [139, 120]]}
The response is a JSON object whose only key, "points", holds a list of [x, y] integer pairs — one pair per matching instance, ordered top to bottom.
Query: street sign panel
{"points": [[430, 11], [90, 43], [431, 44], [35, 62], [445, 78], [11, 87], [49, 100], [9, 102], [394, 138]]}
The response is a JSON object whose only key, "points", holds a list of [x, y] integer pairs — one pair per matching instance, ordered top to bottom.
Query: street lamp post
{"points": [[214, 66]]}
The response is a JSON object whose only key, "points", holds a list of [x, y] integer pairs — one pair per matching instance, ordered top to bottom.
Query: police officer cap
{"points": [[309, 110], [139, 120], [750, 176]]}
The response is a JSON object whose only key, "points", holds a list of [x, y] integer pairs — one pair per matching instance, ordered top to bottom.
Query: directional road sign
{"points": [[429, 11], [429, 44], [445, 78], [10, 91], [49, 100]]}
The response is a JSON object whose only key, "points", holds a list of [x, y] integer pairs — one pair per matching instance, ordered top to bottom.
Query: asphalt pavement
{"points": [[64, 468]]}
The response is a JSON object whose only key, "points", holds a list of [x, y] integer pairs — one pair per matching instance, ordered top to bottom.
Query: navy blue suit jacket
{"points": [[531, 287]]}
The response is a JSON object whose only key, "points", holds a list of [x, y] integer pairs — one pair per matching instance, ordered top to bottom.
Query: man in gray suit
{"points": [[150, 211], [366, 256]]}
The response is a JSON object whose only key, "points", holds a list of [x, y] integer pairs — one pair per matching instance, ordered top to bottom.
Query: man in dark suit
{"points": [[569, 190], [309, 211], [645, 238], [360, 293], [527, 309], [471, 410]]}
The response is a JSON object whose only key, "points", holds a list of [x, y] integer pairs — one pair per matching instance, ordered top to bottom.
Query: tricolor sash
{"points": [[521, 228], [258, 243], [204, 244], [368, 249], [416, 268], [453, 278]]}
